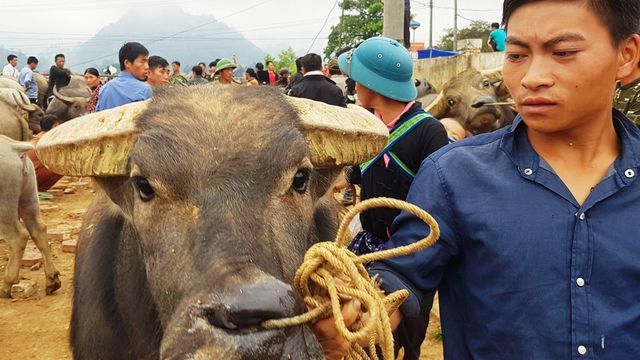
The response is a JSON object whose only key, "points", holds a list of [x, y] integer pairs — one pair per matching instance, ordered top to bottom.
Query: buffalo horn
{"points": [[65, 99], [99, 144]]}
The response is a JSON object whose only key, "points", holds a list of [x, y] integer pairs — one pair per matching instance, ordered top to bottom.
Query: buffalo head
{"points": [[468, 98], [67, 107], [220, 191]]}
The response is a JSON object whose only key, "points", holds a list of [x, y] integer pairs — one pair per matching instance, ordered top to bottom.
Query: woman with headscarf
{"points": [[92, 79]]}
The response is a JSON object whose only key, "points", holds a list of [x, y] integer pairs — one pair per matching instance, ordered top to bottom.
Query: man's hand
{"points": [[334, 345]]}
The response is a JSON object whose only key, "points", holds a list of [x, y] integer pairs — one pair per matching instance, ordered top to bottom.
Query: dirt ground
{"points": [[38, 327]]}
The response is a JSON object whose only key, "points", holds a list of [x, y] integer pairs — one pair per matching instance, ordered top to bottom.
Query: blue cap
{"points": [[382, 65]]}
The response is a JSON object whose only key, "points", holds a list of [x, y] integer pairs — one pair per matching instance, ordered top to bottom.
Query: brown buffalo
{"points": [[468, 98], [71, 101], [211, 196]]}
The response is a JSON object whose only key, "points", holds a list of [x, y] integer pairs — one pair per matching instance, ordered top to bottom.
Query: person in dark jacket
{"points": [[58, 75], [298, 75], [263, 76], [385, 84], [314, 85]]}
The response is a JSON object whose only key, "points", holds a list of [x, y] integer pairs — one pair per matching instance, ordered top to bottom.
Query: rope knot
{"points": [[330, 272]]}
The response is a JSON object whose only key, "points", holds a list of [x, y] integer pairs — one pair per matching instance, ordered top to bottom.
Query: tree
{"points": [[361, 20], [478, 29], [286, 59]]}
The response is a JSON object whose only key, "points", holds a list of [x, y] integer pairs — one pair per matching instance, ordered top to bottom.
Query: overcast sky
{"points": [[37, 25]]}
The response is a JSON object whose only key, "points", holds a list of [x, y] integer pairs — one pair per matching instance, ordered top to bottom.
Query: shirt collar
{"points": [[314, 72], [128, 75], [397, 118], [517, 147]]}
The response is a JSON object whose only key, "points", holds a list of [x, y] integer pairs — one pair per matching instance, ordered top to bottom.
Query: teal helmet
{"points": [[382, 65]]}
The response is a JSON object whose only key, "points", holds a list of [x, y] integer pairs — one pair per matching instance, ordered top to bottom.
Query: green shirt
{"points": [[177, 80], [627, 100]]}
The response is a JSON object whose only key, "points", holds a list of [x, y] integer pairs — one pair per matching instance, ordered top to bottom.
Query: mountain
{"points": [[209, 39]]}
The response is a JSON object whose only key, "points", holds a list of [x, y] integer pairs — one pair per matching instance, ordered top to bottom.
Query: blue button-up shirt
{"points": [[27, 80], [124, 89], [522, 269]]}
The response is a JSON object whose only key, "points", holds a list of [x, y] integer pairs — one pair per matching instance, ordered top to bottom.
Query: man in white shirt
{"points": [[10, 69]]}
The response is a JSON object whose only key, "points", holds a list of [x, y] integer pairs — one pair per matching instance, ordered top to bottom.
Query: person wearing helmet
{"points": [[224, 71], [383, 71]]}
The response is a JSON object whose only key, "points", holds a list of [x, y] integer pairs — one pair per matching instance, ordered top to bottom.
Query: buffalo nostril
{"points": [[482, 101], [251, 305]]}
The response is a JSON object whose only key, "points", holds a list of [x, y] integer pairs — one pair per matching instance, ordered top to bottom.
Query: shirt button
{"points": [[528, 172], [629, 173], [582, 216], [580, 282], [582, 350]]}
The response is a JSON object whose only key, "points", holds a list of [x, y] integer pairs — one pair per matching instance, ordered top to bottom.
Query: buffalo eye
{"points": [[486, 83], [451, 102], [300, 181], [144, 189]]}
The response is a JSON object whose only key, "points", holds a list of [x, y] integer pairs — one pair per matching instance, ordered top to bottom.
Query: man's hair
{"points": [[621, 17], [495, 25], [130, 51], [11, 57], [55, 58], [32, 60], [156, 61], [176, 62], [214, 62], [311, 62], [203, 64], [298, 64], [259, 66], [197, 69], [48, 122]]}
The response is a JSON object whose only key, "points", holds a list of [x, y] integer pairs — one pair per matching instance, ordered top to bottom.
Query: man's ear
{"points": [[628, 56]]}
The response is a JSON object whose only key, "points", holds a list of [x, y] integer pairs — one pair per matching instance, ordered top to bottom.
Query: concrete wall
{"points": [[439, 70]]}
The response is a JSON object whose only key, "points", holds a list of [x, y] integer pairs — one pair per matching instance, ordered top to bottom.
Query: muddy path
{"points": [[38, 327]]}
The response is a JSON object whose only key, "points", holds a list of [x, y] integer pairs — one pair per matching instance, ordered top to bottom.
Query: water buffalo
{"points": [[43, 84], [465, 97], [19, 99], [71, 101], [18, 117], [211, 196], [20, 213]]}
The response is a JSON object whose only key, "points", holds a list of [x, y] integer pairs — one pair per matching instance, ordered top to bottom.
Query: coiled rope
{"points": [[330, 270]]}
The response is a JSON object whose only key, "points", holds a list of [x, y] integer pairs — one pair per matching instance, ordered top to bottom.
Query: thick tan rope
{"points": [[330, 271]]}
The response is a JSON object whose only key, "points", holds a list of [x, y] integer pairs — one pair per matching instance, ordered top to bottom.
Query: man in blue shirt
{"points": [[497, 38], [28, 81], [130, 86], [539, 253]]}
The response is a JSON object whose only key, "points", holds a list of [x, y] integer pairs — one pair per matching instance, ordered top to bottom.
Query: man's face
{"points": [[14, 62], [60, 62], [560, 65], [33, 66], [139, 67], [271, 67], [176, 68], [204, 69], [212, 69], [226, 74], [159, 77], [365, 95]]}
